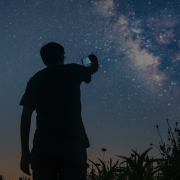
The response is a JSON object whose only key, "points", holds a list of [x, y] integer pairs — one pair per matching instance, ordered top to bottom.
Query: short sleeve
{"points": [[84, 73], [28, 99]]}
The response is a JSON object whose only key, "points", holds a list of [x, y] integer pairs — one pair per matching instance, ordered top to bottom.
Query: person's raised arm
{"points": [[94, 65]]}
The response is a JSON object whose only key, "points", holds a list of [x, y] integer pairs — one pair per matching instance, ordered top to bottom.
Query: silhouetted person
{"points": [[60, 140]]}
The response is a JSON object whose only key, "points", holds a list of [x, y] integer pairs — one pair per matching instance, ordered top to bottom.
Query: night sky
{"points": [[136, 87]]}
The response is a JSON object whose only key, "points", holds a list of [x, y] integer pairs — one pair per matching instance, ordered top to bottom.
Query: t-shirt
{"points": [[54, 93]]}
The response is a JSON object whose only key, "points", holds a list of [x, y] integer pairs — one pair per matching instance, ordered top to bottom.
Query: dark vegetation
{"points": [[140, 166]]}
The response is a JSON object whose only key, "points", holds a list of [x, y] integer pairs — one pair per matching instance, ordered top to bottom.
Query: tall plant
{"points": [[170, 163], [168, 167]]}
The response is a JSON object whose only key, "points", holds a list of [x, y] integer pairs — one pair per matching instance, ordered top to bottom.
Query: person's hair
{"points": [[51, 53]]}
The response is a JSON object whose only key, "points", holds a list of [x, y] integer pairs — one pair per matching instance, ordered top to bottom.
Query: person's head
{"points": [[52, 53]]}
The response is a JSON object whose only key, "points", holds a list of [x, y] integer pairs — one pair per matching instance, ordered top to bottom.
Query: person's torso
{"points": [[58, 108]]}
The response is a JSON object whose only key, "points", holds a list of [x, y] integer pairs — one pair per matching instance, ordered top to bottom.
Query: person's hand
{"points": [[93, 58], [94, 61], [25, 161]]}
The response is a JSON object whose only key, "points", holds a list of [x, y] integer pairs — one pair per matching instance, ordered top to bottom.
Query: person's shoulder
{"points": [[74, 65], [38, 74]]}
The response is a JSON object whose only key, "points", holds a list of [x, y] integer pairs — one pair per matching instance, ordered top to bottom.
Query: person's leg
{"points": [[75, 167], [72, 168], [76, 171], [45, 174]]}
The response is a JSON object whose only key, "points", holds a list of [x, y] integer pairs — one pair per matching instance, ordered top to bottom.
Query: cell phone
{"points": [[86, 62]]}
